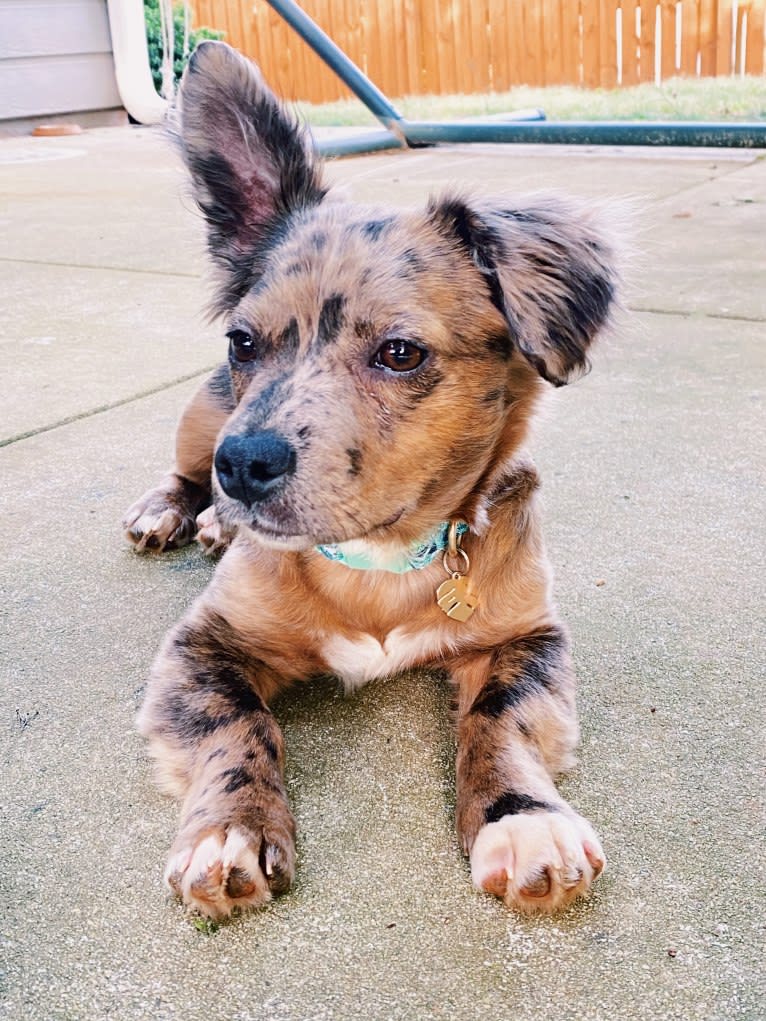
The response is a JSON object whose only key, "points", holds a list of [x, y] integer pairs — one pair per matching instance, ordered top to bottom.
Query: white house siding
{"points": [[55, 57]]}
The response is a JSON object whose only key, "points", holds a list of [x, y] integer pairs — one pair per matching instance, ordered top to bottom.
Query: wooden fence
{"points": [[415, 47]]}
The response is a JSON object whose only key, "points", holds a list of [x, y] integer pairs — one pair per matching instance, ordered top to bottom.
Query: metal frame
{"points": [[400, 133]]}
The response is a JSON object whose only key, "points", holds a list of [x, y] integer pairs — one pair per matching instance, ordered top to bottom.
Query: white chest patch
{"points": [[359, 660]]}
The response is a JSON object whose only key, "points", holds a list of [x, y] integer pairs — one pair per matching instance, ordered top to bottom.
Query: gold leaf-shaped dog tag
{"points": [[456, 597]]}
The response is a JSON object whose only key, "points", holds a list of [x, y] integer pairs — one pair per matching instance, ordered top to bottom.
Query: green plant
{"points": [[154, 39]]}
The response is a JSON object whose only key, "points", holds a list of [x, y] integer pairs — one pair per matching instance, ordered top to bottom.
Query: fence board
{"points": [[497, 36], [689, 37], [708, 37], [668, 38], [532, 40], [648, 41], [724, 41], [551, 42], [414, 45], [449, 46], [591, 47], [446, 49], [516, 51], [607, 51], [571, 56], [754, 57], [479, 61], [631, 74]]}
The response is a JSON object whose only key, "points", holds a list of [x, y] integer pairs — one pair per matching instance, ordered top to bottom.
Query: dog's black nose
{"points": [[250, 467]]}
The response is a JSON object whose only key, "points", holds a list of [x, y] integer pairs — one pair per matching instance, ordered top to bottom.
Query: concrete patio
{"points": [[654, 488]]}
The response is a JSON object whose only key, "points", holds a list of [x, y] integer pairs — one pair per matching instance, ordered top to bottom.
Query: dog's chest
{"points": [[360, 659]]}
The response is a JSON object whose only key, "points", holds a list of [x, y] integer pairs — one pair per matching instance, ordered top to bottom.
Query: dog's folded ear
{"points": [[251, 164], [550, 269]]}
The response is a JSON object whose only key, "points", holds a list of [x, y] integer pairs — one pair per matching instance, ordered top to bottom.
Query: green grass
{"points": [[678, 99]]}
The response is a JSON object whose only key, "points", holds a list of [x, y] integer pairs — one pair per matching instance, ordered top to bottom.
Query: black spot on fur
{"points": [[225, 207], [525, 216], [372, 229], [318, 240], [481, 242], [413, 263], [294, 269], [244, 270], [583, 311], [331, 320], [365, 329], [289, 339], [500, 344], [423, 384], [220, 387], [491, 397], [269, 400], [304, 432], [355, 461], [518, 483], [431, 488], [527, 672], [218, 690], [191, 721], [263, 731], [270, 748], [215, 755], [238, 777], [512, 803], [239, 883]]}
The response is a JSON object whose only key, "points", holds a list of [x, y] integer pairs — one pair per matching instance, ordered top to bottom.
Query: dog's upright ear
{"points": [[251, 164], [550, 268]]}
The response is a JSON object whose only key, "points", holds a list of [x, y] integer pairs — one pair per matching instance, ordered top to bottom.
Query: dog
{"points": [[363, 448]]}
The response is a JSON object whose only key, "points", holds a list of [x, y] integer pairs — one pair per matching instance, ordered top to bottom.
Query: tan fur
{"points": [[499, 297]]}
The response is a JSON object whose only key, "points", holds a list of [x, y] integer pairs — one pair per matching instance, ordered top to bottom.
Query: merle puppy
{"points": [[363, 451]]}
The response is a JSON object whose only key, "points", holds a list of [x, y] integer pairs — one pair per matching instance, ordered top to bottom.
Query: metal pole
{"points": [[346, 69], [684, 133], [374, 140]]}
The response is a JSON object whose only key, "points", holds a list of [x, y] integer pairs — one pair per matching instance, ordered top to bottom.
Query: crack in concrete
{"points": [[110, 269], [733, 316], [101, 408]]}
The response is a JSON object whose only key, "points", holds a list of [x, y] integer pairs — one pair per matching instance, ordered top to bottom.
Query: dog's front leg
{"points": [[166, 516], [516, 731], [219, 749]]}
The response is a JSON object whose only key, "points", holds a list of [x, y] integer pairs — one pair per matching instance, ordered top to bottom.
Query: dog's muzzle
{"points": [[251, 467]]}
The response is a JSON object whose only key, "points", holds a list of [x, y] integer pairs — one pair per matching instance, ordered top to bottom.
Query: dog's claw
{"points": [[160, 520], [212, 536]]}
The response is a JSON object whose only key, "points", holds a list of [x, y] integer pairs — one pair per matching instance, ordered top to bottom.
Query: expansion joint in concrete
{"points": [[91, 412]]}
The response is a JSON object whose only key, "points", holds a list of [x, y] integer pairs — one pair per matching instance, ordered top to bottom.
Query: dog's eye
{"points": [[241, 345], [399, 356]]}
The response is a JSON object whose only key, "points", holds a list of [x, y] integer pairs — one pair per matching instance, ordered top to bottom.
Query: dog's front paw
{"points": [[163, 518], [213, 537], [537, 861], [224, 868]]}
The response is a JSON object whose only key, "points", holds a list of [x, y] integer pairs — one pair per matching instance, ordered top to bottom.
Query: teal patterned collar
{"points": [[359, 556]]}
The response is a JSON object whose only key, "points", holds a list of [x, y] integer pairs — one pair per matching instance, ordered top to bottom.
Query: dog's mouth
{"points": [[279, 537]]}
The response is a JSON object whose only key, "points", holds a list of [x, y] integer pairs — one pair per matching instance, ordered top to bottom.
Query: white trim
{"points": [[131, 62]]}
